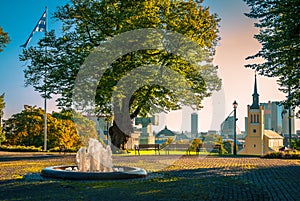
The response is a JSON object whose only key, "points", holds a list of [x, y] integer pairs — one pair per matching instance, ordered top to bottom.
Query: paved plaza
{"points": [[170, 178]]}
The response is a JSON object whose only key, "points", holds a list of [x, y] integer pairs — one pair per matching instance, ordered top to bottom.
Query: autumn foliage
{"points": [[27, 129]]}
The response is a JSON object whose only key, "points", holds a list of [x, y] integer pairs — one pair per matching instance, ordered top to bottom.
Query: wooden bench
{"points": [[139, 147], [178, 147], [63, 149]]}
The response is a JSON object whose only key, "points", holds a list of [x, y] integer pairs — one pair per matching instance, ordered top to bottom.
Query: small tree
{"points": [[84, 127], [212, 139], [215, 139], [196, 143], [296, 144]]}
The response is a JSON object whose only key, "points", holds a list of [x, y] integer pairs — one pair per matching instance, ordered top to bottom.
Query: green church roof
{"points": [[165, 132]]}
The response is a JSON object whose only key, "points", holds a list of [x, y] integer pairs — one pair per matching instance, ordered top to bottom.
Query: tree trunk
{"points": [[122, 125], [118, 138]]}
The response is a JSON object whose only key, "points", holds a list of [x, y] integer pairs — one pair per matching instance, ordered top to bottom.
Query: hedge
{"points": [[20, 148], [283, 155]]}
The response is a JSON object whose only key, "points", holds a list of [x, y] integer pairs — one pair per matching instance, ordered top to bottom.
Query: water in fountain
{"points": [[95, 158]]}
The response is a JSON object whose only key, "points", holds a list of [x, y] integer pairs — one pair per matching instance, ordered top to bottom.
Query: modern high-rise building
{"points": [[276, 118], [273, 119], [285, 122], [194, 124], [227, 128]]}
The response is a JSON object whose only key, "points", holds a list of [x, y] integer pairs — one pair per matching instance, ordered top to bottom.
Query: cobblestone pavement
{"points": [[171, 178], [233, 178]]}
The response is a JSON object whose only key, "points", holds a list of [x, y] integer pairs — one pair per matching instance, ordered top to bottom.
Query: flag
{"points": [[40, 27]]}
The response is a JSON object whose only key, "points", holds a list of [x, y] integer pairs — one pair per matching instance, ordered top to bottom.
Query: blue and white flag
{"points": [[40, 27]]}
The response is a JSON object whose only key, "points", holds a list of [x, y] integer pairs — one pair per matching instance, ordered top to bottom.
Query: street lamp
{"points": [[235, 104]]}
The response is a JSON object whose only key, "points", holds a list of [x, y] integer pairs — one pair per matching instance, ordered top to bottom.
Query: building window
{"points": [[254, 118], [254, 130], [254, 145]]}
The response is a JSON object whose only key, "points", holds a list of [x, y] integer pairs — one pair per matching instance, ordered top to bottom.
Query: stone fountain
{"points": [[93, 163]]}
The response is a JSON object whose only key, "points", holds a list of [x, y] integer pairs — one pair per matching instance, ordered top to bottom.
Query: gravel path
{"points": [[170, 178]]}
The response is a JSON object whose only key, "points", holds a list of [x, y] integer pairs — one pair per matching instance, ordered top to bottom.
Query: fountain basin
{"points": [[60, 172]]}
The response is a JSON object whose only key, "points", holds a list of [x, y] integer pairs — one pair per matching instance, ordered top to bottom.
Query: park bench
{"points": [[139, 147], [178, 147], [63, 149]]}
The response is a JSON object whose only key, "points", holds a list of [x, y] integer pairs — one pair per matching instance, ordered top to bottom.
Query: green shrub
{"points": [[195, 143], [296, 144], [20, 148], [59, 149], [283, 155]]}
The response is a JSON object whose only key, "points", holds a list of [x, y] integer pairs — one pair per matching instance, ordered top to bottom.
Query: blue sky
{"points": [[18, 18]]}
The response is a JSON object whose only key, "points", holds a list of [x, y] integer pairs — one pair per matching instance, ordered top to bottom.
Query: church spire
{"points": [[255, 96]]}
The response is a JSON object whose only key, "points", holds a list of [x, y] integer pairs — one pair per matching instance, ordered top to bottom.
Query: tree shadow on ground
{"points": [[274, 183]]}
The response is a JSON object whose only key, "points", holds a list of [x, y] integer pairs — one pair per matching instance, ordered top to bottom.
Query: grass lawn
{"points": [[164, 152]]}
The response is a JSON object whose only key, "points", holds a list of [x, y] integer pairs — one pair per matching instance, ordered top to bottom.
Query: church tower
{"points": [[255, 139], [259, 141]]}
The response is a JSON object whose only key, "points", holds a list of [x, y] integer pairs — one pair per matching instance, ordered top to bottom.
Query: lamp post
{"points": [[235, 104], [290, 121]]}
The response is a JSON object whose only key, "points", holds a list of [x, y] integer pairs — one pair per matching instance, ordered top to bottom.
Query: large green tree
{"points": [[89, 24], [279, 35], [4, 39]]}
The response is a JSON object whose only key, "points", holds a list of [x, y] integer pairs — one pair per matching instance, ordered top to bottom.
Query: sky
{"points": [[19, 17]]}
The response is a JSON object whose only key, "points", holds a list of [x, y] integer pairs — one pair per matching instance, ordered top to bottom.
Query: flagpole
{"points": [[42, 26], [45, 98]]}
